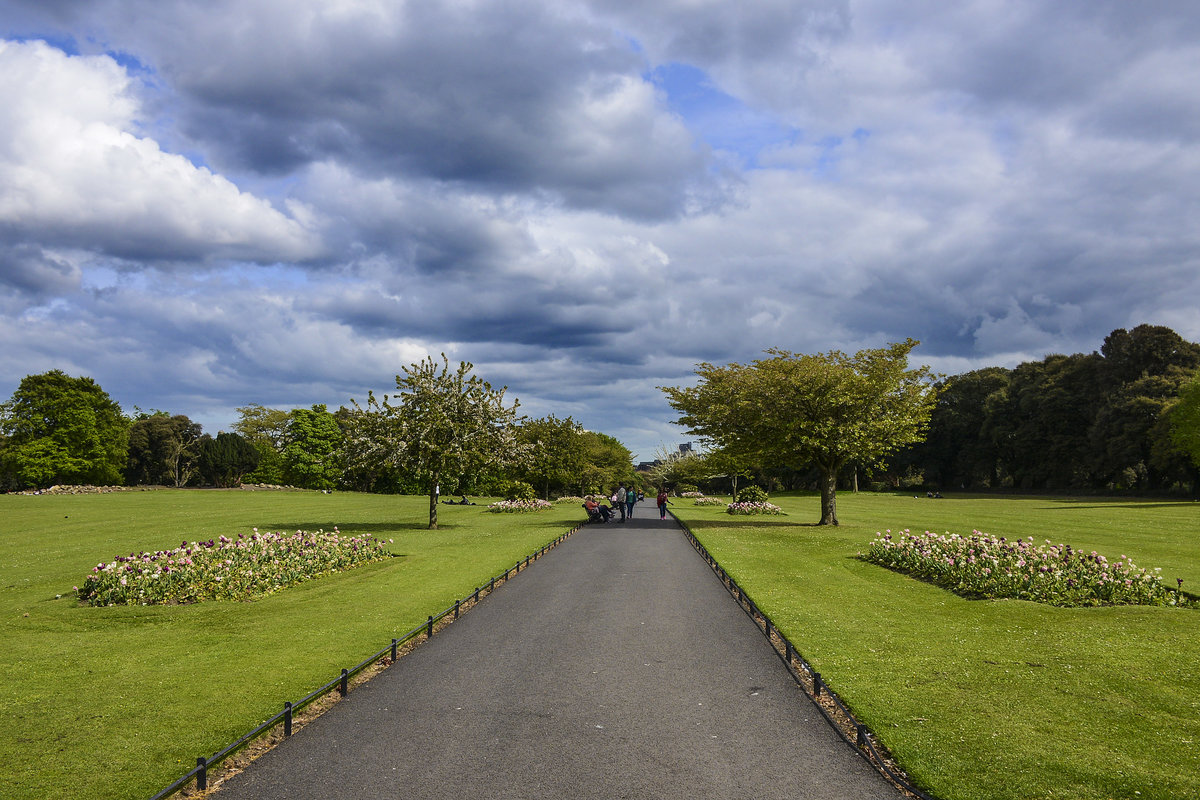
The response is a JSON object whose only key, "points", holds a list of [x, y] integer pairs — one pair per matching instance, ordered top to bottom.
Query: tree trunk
{"points": [[829, 495], [733, 497], [433, 503]]}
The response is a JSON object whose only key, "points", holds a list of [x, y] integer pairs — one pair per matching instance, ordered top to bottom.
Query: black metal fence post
{"points": [[456, 605], [429, 629], [394, 654], [816, 684], [344, 686], [287, 718], [202, 775]]}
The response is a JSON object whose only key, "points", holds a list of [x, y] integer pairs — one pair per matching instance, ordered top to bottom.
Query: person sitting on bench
{"points": [[597, 511]]}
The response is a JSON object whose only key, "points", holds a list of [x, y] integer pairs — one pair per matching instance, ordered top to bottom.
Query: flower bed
{"points": [[692, 494], [569, 499], [708, 501], [518, 506], [753, 508], [982, 566], [226, 569]]}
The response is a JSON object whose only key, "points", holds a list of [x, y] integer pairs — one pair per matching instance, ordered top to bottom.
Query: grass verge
{"points": [[989, 700], [118, 702]]}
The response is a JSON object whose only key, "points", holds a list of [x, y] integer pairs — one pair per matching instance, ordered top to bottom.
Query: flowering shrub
{"points": [[691, 494], [570, 499], [708, 501], [518, 506], [753, 508], [984, 566], [226, 569]]}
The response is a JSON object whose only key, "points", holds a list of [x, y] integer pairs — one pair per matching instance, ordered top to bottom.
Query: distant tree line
{"points": [[58, 429]]}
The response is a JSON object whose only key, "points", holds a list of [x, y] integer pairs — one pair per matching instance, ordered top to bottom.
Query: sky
{"points": [[209, 204]]}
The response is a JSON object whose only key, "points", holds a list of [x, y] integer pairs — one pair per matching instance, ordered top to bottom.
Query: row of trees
{"points": [[1125, 418], [1113, 420], [446, 431]]}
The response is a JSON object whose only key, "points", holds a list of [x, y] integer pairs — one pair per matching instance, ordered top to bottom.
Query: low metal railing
{"points": [[342, 683], [839, 717]]}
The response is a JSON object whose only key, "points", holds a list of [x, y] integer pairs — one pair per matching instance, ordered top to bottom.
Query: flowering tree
{"points": [[828, 409], [441, 426]]}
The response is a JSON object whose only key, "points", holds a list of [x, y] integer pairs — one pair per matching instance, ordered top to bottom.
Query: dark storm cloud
{"points": [[514, 97]]}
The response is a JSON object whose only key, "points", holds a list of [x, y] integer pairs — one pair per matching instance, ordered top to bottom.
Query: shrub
{"points": [[517, 490], [691, 494], [752, 494], [708, 501], [982, 566]]}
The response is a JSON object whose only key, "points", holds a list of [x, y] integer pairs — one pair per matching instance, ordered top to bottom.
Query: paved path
{"points": [[617, 666]]}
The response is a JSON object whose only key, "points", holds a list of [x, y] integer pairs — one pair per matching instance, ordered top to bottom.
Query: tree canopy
{"points": [[827, 410], [58, 429]]}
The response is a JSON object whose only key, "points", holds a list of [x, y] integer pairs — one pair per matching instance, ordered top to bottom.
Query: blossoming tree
{"points": [[442, 425]]}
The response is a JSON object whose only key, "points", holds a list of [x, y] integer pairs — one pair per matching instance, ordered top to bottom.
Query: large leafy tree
{"points": [[828, 409], [1185, 421], [445, 427], [60, 429], [312, 448], [162, 449], [554, 452], [606, 462]]}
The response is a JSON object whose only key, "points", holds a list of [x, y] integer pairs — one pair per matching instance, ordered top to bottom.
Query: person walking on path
{"points": [[620, 497], [630, 499], [662, 503]]}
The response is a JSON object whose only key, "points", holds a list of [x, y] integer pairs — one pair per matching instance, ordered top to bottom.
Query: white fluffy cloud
{"points": [[75, 172]]}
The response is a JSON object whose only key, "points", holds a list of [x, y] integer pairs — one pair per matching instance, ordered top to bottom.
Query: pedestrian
{"points": [[630, 499], [619, 500], [662, 503]]}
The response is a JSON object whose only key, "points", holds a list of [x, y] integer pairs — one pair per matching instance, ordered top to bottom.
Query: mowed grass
{"points": [[989, 700], [118, 702]]}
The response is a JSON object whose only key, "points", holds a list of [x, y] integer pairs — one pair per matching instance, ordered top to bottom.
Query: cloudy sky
{"points": [[211, 203]]}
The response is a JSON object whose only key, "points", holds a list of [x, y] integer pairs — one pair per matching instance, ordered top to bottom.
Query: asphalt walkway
{"points": [[617, 666]]}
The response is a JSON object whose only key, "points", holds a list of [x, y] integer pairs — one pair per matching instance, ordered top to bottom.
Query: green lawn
{"points": [[989, 700], [118, 702]]}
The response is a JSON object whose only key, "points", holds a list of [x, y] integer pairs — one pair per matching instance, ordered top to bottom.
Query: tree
{"points": [[828, 409], [1185, 421], [444, 427], [60, 429], [266, 429], [162, 449], [312, 449], [553, 452], [226, 459], [606, 462]]}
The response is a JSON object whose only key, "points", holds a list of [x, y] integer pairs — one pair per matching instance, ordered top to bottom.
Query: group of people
{"points": [[622, 502]]}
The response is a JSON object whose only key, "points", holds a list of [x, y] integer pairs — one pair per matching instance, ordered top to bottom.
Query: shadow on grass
{"points": [[1074, 505], [743, 522]]}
